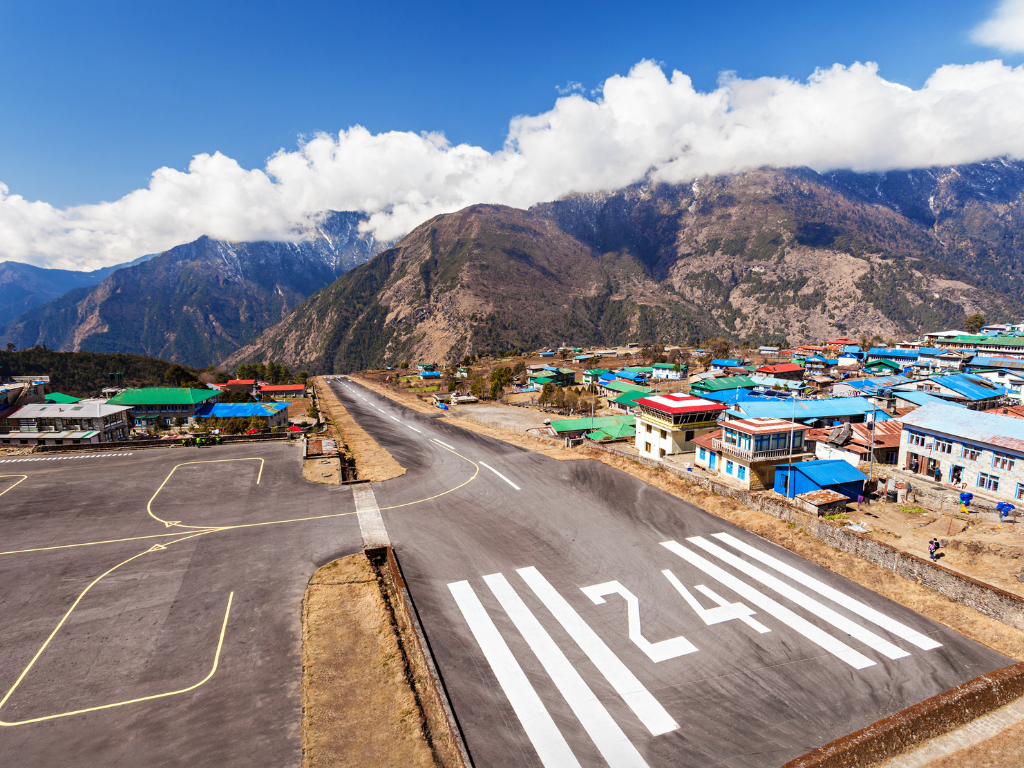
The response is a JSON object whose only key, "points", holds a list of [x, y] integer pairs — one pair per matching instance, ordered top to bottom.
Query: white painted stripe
{"points": [[413, 428], [449, 447], [501, 476], [809, 604], [851, 604], [817, 636], [625, 683], [611, 742], [551, 746]]}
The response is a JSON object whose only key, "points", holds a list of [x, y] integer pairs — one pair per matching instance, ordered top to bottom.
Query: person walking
{"points": [[933, 546]]}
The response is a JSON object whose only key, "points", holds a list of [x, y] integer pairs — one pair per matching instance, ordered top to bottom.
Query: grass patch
{"points": [[423, 389], [915, 510], [838, 516]]}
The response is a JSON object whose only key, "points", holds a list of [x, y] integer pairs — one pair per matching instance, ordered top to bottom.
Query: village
{"points": [[911, 441]]}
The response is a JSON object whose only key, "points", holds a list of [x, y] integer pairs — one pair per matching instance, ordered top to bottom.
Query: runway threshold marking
{"points": [[482, 464], [23, 479], [809, 604], [854, 606], [67, 614], [797, 623], [647, 708], [551, 746], [614, 746]]}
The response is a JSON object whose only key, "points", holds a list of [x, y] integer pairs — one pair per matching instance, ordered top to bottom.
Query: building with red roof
{"points": [[789, 371], [283, 390], [667, 424]]}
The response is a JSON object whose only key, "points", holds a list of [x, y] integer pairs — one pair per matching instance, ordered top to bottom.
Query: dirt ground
{"points": [[406, 399], [297, 408], [505, 416], [521, 439], [372, 461], [326, 471], [988, 551], [358, 707], [1005, 750]]}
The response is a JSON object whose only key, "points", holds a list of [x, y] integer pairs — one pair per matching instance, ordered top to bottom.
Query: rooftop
{"points": [[780, 368], [726, 382], [162, 396], [921, 398], [680, 403], [803, 409], [84, 410], [239, 410], [589, 424], [764, 424], [974, 426], [829, 471]]}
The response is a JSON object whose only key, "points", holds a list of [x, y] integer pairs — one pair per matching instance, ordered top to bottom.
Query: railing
{"points": [[743, 453]]}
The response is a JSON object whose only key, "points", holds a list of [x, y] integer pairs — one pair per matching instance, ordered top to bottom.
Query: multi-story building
{"points": [[157, 406], [65, 424], [667, 424], [746, 451], [978, 452]]}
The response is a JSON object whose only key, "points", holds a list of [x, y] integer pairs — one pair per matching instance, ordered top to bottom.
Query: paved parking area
{"points": [[150, 610]]}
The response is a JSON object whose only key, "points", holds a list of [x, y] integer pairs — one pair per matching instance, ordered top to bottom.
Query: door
{"points": [[711, 463]]}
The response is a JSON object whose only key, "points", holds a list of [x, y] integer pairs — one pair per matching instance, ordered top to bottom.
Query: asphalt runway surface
{"points": [[579, 616], [163, 645]]}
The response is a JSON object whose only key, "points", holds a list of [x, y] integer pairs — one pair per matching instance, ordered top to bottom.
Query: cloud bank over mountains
{"points": [[643, 125]]}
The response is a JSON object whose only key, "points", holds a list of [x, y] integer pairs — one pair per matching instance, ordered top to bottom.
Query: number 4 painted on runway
{"points": [[724, 612], [661, 651]]}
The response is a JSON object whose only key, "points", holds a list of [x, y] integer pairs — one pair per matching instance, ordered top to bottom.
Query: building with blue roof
{"points": [[894, 354], [981, 363], [720, 364], [873, 386], [973, 391], [911, 398], [816, 413], [275, 414], [977, 452], [819, 475]]}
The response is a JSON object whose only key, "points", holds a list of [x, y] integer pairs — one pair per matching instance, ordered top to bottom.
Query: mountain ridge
{"points": [[784, 255], [197, 302]]}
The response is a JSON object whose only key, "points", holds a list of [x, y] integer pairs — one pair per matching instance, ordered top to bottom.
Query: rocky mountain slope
{"points": [[769, 255], [23, 286], [196, 303]]}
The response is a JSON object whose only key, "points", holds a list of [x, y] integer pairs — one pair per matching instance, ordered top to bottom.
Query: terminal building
{"points": [[667, 424]]}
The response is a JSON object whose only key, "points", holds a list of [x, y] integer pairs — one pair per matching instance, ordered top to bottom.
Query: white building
{"points": [[668, 371], [1012, 380], [65, 424], [667, 424], [968, 450], [745, 452]]}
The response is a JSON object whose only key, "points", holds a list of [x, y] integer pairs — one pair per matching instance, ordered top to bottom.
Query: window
{"points": [[648, 427], [664, 434], [689, 436], [729, 437], [915, 438], [780, 440], [744, 441], [798, 442], [762, 443], [943, 446], [647, 447], [971, 453], [703, 454], [1002, 461], [728, 467], [741, 472], [988, 482], [1019, 496]]}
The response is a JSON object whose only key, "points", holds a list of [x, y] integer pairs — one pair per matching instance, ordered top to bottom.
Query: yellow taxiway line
{"points": [[23, 479]]}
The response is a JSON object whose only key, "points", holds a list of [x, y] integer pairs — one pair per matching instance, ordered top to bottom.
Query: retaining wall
{"points": [[121, 445], [917, 724]]}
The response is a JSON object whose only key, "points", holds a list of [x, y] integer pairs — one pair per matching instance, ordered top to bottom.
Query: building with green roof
{"points": [[591, 375], [722, 383], [616, 388], [59, 398], [626, 402], [157, 405], [579, 427], [613, 433]]}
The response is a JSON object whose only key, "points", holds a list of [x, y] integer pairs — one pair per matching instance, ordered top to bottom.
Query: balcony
{"points": [[752, 456]]}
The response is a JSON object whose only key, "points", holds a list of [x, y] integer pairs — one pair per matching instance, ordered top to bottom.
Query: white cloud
{"points": [[1004, 30], [643, 125]]}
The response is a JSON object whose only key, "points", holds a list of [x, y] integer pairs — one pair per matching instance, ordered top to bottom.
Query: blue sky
{"points": [[96, 96]]}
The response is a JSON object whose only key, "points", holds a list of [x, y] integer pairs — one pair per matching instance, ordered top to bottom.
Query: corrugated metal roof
{"points": [[892, 352], [725, 382], [876, 383], [970, 387], [162, 396], [60, 397], [922, 398], [85, 409], [805, 409], [239, 410], [584, 424], [974, 426], [829, 471], [822, 497]]}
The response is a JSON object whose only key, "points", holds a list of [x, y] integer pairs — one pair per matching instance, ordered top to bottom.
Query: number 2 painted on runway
{"points": [[660, 651]]}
